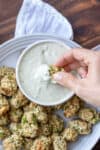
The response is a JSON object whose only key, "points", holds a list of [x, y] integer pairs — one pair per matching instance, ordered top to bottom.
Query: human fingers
{"points": [[78, 54], [67, 58], [90, 59], [72, 66], [76, 66], [82, 71], [67, 80]]}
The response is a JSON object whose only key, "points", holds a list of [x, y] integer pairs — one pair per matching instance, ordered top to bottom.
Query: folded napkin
{"points": [[36, 16]]}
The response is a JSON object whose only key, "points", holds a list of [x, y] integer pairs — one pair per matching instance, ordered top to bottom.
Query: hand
{"points": [[87, 63]]}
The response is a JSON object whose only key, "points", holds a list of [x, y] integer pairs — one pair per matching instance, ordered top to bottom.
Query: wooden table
{"points": [[84, 16]]}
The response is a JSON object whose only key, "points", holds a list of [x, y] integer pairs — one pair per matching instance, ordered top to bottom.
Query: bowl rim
{"points": [[71, 93]]}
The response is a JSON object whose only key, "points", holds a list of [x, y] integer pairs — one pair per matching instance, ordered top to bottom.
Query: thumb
{"points": [[67, 80]]}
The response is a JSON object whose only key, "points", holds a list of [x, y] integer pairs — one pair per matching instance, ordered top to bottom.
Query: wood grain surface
{"points": [[84, 16]]}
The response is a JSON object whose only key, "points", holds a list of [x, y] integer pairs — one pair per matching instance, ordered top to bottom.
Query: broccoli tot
{"points": [[54, 69], [6, 71], [8, 85], [18, 100], [4, 105], [29, 107], [71, 107], [40, 114], [15, 115], [89, 115], [29, 117], [4, 120], [57, 124], [15, 127], [82, 127], [45, 129], [29, 130], [4, 132], [70, 134], [13, 142], [28, 142], [42, 143], [59, 143]]}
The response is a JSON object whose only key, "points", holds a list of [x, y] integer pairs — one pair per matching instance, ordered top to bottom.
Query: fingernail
{"points": [[57, 76]]}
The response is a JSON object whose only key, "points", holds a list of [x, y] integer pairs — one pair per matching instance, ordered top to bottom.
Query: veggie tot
{"points": [[4, 105], [90, 115], [82, 127], [4, 132], [70, 134], [13, 142], [43, 143], [59, 143]]}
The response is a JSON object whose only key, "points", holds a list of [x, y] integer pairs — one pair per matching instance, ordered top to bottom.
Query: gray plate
{"points": [[9, 53]]}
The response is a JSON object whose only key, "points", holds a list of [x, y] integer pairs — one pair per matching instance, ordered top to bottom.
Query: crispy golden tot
{"points": [[54, 69], [6, 71], [8, 85], [18, 100], [4, 105], [29, 107], [71, 107], [49, 109], [40, 114], [15, 115], [90, 115], [29, 117], [4, 120], [57, 124], [15, 127], [82, 127], [45, 129], [29, 130], [4, 132], [70, 134], [13, 142], [27, 143], [42, 143], [59, 143]]}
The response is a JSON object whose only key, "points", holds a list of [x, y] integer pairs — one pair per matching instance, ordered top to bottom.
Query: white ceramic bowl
{"points": [[24, 53]]}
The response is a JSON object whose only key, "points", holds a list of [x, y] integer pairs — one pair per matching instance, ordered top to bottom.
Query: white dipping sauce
{"points": [[33, 72], [42, 73]]}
